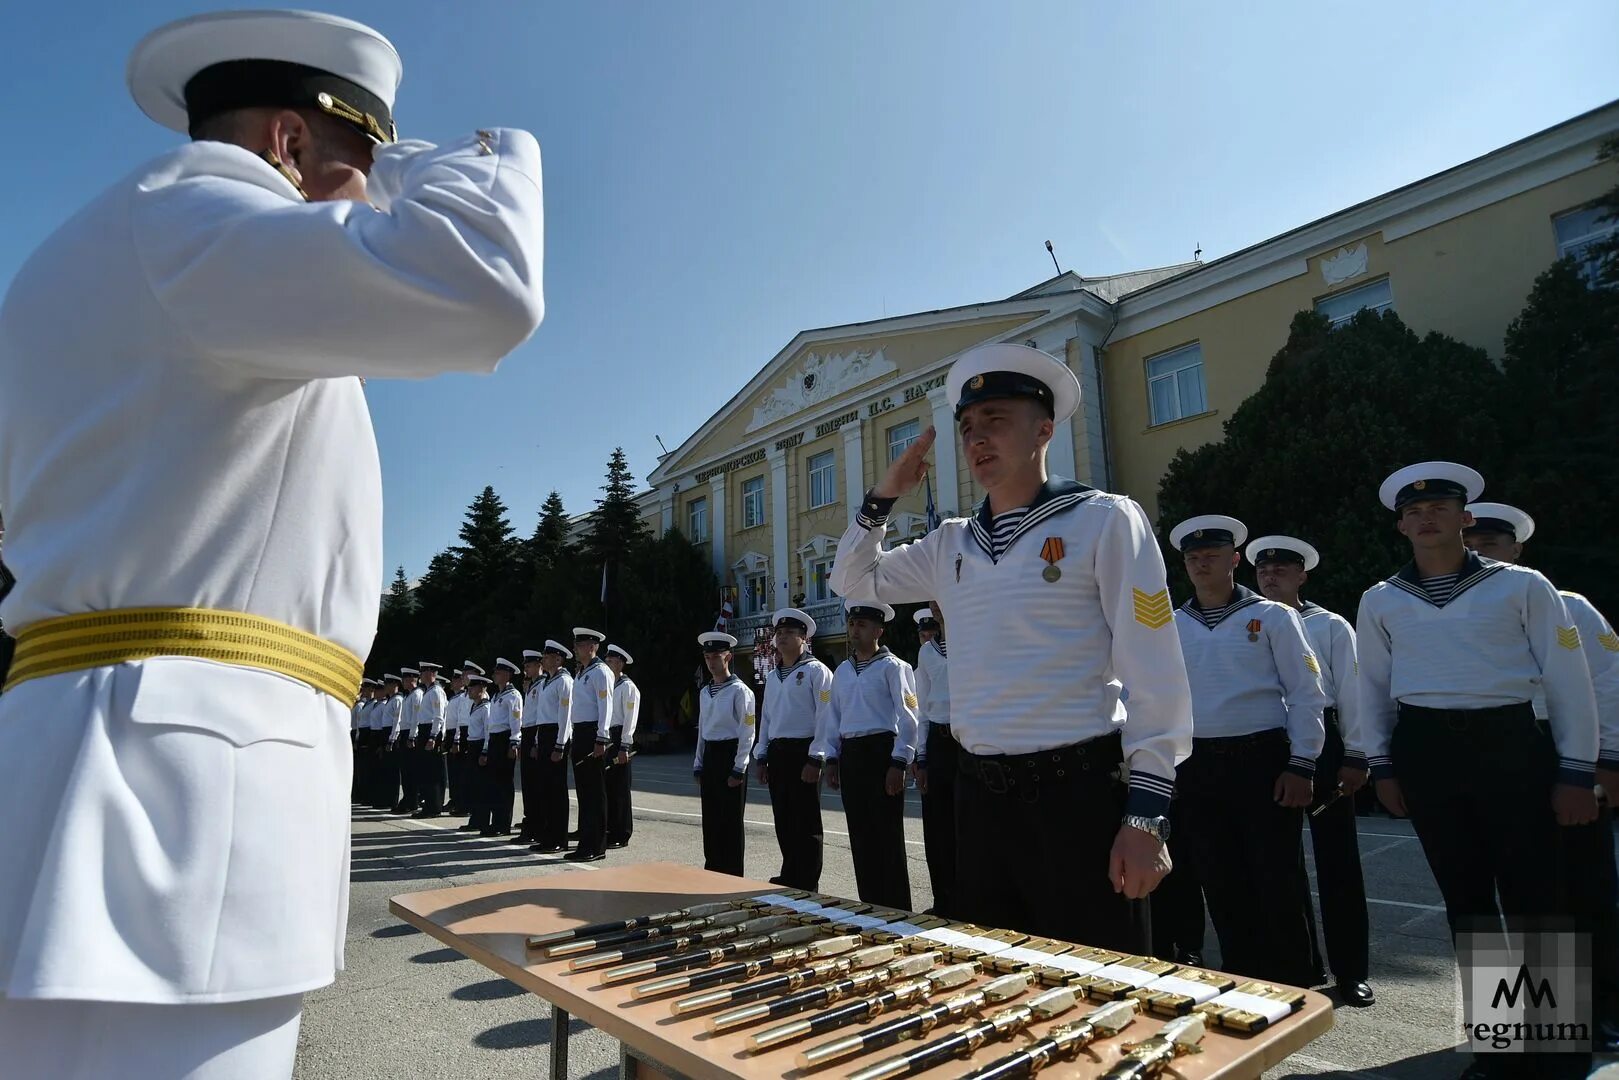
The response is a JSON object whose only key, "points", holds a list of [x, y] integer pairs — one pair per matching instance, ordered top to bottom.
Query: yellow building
{"points": [[1163, 356]]}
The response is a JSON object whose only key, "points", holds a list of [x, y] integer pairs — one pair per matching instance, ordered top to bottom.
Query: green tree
{"points": [[1339, 410], [1554, 424], [615, 535], [486, 552], [669, 589]]}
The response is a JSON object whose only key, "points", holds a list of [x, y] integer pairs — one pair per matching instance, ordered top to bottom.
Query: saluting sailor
{"points": [[240, 285], [1282, 566], [798, 695], [592, 710], [625, 714], [725, 725], [1042, 730], [552, 735], [867, 740], [936, 761], [528, 771]]}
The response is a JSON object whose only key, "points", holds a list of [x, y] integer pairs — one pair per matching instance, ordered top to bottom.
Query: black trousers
{"points": [[405, 762], [456, 763], [429, 771], [385, 774], [356, 775], [528, 777], [498, 783], [616, 783], [1477, 785], [590, 786], [475, 796], [796, 808], [722, 809], [547, 817], [939, 818], [876, 821], [1034, 833], [1246, 849], [1337, 867], [1590, 891], [1179, 921]]}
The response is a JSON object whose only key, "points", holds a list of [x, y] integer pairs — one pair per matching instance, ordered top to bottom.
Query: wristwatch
{"points": [[1156, 826]]}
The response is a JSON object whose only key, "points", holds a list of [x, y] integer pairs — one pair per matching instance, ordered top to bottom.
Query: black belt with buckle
{"points": [[1021, 774]]}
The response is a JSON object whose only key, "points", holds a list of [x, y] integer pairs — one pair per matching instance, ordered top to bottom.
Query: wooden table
{"points": [[490, 923]]}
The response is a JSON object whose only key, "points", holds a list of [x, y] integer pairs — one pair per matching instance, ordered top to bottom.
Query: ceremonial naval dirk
{"points": [[728, 917], [769, 924], [793, 935], [540, 941], [747, 969], [789, 981], [829, 994], [862, 1009], [917, 1024], [1000, 1026], [1061, 1043], [1149, 1057]]}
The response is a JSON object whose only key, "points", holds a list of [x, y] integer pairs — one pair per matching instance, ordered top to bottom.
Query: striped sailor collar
{"points": [[1055, 496], [1474, 570], [1241, 597], [1307, 609], [938, 643], [595, 662], [861, 665], [783, 672], [555, 675], [715, 687]]}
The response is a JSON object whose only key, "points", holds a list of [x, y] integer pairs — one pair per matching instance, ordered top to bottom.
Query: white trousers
{"points": [[92, 1040]]}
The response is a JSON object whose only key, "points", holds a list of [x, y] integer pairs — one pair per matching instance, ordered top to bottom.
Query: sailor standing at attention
{"points": [[242, 288], [797, 696], [592, 711], [725, 725], [1042, 730], [554, 732], [620, 749], [936, 761]]}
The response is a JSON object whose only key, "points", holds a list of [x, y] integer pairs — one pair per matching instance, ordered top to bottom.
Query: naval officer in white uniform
{"points": [[186, 459]]}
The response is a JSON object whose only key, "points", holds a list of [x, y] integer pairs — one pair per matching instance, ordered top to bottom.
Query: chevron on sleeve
{"points": [[1152, 609], [1568, 637]]}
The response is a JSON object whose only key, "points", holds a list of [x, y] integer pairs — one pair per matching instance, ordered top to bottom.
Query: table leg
{"points": [[559, 1043]]}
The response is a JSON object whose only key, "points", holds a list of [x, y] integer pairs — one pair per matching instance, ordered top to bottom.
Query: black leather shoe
{"points": [[467, 828], [616, 844], [542, 849], [585, 856], [777, 881], [1189, 957], [1357, 994], [1607, 1038]]}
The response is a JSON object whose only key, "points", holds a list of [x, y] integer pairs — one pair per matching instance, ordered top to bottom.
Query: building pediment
{"points": [[820, 377]]}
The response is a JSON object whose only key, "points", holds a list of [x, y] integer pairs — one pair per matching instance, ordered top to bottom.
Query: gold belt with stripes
{"points": [[103, 638]]}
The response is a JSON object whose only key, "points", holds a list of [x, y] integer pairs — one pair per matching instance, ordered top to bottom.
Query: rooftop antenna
{"points": [[1053, 253], [1198, 254], [662, 447]]}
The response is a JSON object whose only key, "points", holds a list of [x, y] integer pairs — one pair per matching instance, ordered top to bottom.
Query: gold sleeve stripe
{"points": [[1152, 609], [1568, 637], [1610, 641], [1310, 662]]}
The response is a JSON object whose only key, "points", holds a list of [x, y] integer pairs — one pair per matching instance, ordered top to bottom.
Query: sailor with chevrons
{"points": [[1282, 565], [1452, 649], [797, 696], [554, 708], [592, 711], [625, 713], [431, 720], [725, 727], [505, 730], [1257, 730], [1042, 731], [867, 741], [936, 761], [1590, 877]]}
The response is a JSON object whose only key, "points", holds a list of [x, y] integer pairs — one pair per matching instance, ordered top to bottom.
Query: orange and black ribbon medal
{"points": [[1052, 551], [1253, 629]]}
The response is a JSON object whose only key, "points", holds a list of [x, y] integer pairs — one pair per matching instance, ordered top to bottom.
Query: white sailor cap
{"points": [[185, 72], [1004, 371], [1430, 480], [1500, 518], [1207, 530], [1283, 549], [869, 609], [925, 617], [795, 619], [586, 632], [714, 641], [554, 646], [617, 650], [530, 654], [502, 662], [426, 665], [471, 668], [409, 671], [456, 673], [390, 678], [479, 679], [368, 682]]}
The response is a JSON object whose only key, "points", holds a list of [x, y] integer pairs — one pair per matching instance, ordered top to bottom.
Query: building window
{"points": [[1578, 232], [1341, 307], [1175, 384], [901, 436], [823, 479], [753, 502], [697, 520], [820, 580], [755, 594]]}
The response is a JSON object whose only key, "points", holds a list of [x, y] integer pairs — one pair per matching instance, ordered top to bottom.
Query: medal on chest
{"points": [[1052, 552], [1253, 629]]}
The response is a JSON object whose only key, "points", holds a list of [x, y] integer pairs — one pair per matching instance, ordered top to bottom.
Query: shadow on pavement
{"points": [[400, 930], [436, 956], [489, 990], [521, 1033]]}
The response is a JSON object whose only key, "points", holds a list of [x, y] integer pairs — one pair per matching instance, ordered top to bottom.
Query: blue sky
{"points": [[721, 175]]}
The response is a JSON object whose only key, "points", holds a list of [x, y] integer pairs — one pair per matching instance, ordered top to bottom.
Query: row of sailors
{"points": [[415, 742]]}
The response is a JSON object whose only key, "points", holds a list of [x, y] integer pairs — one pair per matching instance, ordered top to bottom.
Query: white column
{"points": [[1090, 417], [854, 468], [946, 480], [666, 504], [717, 523], [780, 573]]}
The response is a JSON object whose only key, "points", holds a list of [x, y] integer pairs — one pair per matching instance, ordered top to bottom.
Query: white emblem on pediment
{"points": [[1345, 264], [818, 379]]}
